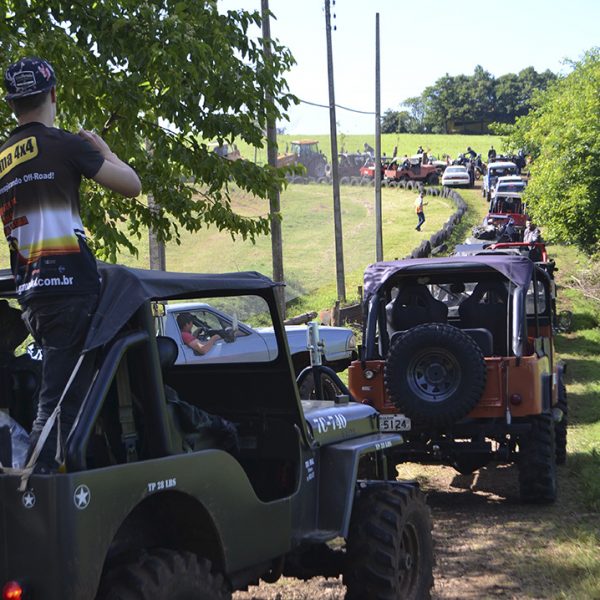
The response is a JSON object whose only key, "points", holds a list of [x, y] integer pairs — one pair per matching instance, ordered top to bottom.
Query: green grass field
{"points": [[308, 237]]}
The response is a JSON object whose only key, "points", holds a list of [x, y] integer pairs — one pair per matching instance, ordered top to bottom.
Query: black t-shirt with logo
{"points": [[40, 174]]}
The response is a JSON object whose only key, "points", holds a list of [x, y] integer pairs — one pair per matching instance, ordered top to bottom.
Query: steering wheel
{"points": [[202, 328]]}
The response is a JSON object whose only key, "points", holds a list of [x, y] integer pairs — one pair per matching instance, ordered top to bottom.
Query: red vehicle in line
{"points": [[411, 169], [367, 171], [507, 206]]}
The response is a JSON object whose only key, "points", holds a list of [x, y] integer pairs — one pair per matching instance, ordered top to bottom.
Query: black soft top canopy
{"points": [[517, 269], [125, 289]]}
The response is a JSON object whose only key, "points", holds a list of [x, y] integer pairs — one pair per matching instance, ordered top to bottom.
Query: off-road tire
{"points": [[432, 179], [435, 374], [330, 389], [560, 428], [537, 462], [389, 550], [164, 575]]}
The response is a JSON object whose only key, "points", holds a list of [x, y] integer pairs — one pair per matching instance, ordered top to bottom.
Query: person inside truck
{"points": [[185, 322]]}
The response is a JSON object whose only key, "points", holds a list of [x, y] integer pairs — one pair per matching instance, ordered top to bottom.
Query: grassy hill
{"points": [[407, 143], [308, 236]]}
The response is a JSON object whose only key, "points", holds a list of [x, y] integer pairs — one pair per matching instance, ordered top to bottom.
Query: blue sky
{"points": [[420, 42]]}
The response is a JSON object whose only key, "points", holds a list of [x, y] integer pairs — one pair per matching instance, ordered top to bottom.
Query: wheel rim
{"points": [[433, 375], [408, 560]]}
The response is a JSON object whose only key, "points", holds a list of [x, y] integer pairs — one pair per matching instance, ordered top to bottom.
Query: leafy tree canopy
{"points": [[156, 78], [472, 98], [562, 134]]}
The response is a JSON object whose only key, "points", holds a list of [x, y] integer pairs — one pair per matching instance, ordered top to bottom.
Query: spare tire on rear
{"points": [[435, 374]]}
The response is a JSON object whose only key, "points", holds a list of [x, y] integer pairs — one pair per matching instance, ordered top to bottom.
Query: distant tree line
{"points": [[453, 101]]}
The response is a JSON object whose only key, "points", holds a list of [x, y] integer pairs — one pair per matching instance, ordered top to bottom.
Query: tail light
{"points": [[516, 399], [12, 590]]}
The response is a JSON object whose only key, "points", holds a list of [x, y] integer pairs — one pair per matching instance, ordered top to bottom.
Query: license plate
{"points": [[389, 423]]}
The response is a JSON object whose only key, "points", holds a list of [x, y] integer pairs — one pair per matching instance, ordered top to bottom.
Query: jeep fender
{"points": [[338, 476]]}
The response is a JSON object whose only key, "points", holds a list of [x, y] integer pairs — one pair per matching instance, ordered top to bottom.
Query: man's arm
{"points": [[114, 174], [202, 348]]}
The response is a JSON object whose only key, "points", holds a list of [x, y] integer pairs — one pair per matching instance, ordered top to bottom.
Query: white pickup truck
{"points": [[242, 343]]}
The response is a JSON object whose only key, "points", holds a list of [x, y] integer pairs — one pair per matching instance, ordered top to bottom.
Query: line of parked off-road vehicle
{"points": [[195, 478]]}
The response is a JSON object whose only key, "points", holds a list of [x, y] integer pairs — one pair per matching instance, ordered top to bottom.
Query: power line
{"points": [[362, 112]]}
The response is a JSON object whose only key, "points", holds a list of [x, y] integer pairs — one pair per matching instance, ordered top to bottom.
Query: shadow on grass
{"points": [[577, 344], [580, 370], [584, 409], [585, 466], [501, 548]]}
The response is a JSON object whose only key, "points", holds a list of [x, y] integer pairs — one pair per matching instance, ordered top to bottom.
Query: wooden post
{"points": [[337, 211], [378, 216], [156, 248]]}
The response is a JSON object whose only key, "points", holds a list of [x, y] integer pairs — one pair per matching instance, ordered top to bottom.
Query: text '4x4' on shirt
{"points": [[40, 174]]}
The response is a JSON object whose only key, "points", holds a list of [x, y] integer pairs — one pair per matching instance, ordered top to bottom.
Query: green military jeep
{"points": [[196, 480]]}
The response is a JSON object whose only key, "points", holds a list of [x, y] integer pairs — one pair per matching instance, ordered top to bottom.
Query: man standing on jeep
{"points": [[55, 272]]}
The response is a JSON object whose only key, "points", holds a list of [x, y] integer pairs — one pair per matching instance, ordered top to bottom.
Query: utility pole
{"points": [[274, 199], [337, 211], [378, 217]]}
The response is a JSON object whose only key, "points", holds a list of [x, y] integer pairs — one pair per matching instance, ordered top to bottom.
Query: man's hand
{"points": [[95, 140]]}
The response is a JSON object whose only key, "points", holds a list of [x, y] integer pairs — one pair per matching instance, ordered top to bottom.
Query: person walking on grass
{"points": [[419, 210], [55, 272]]}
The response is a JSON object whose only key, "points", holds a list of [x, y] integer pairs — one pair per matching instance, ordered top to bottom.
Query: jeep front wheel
{"points": [[435, 374], [308, 390], [537, 466], [389, 550], [164, 575]]}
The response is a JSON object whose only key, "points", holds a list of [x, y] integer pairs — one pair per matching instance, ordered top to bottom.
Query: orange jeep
{"points": [[458, 354]]}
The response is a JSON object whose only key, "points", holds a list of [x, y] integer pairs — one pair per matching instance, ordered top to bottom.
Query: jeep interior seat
{"points": [[414, 305], [487, 308], [483, 338], [192, 428]]}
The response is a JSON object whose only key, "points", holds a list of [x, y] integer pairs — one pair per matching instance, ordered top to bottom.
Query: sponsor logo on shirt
{"points": [[18, 153], [44, 282]]}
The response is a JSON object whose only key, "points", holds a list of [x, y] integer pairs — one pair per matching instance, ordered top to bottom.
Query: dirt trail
{"points": [[487, 544]]}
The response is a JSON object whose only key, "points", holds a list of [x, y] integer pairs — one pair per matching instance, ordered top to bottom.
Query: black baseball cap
{"points": [[27, 77]]}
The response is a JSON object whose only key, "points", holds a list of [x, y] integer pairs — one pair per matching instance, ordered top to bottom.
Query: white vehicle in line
{"points": [[495, 171], [456, 176], [509, 184], [242, 343]]}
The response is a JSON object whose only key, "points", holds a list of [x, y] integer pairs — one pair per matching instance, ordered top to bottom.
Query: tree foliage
{"points": [[156, 78], [472, 98], [562, 134]]}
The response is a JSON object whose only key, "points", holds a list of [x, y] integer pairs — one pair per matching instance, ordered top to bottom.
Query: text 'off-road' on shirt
{"points": [[40, 174]]}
